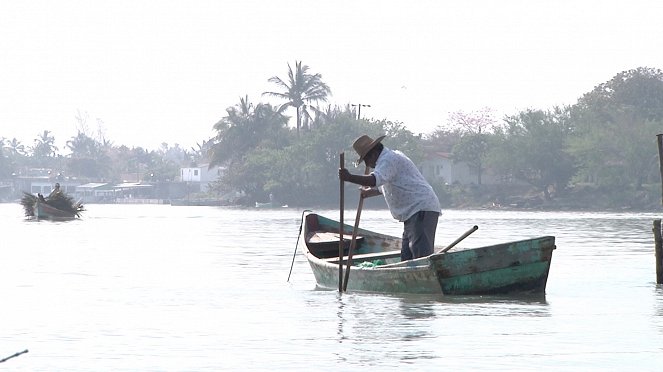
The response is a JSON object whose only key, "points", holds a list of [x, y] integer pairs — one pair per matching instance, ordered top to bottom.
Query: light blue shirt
{"points": [[405, 189]]}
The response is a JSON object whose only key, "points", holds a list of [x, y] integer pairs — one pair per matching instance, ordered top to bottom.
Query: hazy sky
{"points": [[165, 71]]}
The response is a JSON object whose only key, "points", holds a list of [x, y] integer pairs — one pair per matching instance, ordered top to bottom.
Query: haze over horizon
{"points": [[154, 72]]}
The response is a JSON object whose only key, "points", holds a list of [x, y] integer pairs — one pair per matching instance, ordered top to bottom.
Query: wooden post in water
{"points": [[659, 139], [657, 223], [658, 242], [341, 244]]}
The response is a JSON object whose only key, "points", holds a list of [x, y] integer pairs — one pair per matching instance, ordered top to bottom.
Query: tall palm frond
{"points": [[300, 89]]}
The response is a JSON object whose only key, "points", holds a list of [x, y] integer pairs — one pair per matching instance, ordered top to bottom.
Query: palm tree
{"points": [[300, 89], [329, 114], [244, 128], [44, 146], [15, 147], [89, 157]]}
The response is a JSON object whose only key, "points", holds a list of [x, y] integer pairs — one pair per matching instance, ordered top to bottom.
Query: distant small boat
{"points": [[270, 205], [60, 207], [504, 268]]}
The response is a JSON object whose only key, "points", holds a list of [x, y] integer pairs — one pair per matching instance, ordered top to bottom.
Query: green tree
{"points": [[298, 90], [638, 90], [329, 115], [615, 127], [244, 128], [400, 138], [442, 139], [473, 144], [44, 145], [15, 147], [532, 148], [43, 153], [200, 153], [16, 155], [88, 158], [122, 159], [5, 162], [165, 163], [306, 171]]}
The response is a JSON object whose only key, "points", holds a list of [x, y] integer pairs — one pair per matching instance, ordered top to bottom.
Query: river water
{"points": [[165, 288]]}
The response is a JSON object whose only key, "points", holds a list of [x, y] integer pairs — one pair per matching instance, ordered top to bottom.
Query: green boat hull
{"points": [[512, 267]]}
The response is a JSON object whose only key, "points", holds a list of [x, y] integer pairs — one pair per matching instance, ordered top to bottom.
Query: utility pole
{"points": [[359, 106]]}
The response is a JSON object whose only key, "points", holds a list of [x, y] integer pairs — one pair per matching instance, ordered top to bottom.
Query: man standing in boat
{"points": [[409, 196]]}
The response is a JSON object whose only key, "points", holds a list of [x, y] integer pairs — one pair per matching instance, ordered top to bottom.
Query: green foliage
{"points": [[638, 91], [615, 127], [245, 128], [400, 138], [473, 145], [44, 147], [532, 148], [472, 149], [88, 157], [5, 162], [311, 163], [304, 171], [444, 193]]}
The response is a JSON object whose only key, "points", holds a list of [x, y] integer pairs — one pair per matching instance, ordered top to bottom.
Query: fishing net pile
{"points": [[57, 200]]}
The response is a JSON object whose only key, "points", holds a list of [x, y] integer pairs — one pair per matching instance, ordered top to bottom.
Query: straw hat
{"points": [[364, 144]]}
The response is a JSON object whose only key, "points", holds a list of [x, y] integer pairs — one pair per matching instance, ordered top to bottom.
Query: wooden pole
{"points": [[659, 138], [657, 223], [340, 226], [465, 235], [353, 242], [658, 251]]}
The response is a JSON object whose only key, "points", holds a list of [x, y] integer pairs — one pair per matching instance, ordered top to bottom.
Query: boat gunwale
{"points": [[44, 211], [409, 263], [427, 270]]}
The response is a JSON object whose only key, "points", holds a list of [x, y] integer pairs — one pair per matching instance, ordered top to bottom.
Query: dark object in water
{"points": [[56, 205], [13, 356]]}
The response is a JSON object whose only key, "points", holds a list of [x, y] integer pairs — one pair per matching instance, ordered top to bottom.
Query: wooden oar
{"points": [[340, 226], [465, 235], [353, 242], [13, 356]]}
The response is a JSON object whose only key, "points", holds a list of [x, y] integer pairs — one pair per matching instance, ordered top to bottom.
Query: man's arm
{"points": [[363, 180], [369, 192]]}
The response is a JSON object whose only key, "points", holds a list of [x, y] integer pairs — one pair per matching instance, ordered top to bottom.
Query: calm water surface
{"points": [[163, 288]]}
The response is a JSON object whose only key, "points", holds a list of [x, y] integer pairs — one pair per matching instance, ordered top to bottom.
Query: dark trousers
{"points": [[419, 235]]}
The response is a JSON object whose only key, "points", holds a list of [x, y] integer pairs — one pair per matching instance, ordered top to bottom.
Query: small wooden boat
{"points": [[270, 205], [55, 207], [44, 210], [512, 267]]}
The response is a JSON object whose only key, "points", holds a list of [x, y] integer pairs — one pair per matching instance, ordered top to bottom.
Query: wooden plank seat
{"points": [[331, 237], [325, 244], [367, 256]]}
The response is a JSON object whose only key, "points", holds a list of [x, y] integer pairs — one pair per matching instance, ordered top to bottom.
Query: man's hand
{"points": [[343, 174], [367, 192]]}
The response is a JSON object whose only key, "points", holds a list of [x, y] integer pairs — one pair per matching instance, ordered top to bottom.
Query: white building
{"points": [[440, 167], [201, 175]]}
